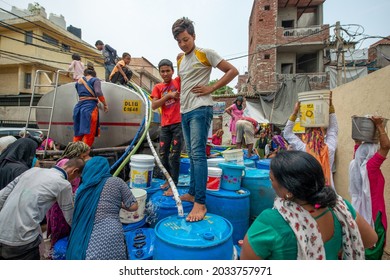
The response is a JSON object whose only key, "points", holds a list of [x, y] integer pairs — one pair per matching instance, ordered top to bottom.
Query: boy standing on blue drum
{"points": [[167, 96], [196, 105]]}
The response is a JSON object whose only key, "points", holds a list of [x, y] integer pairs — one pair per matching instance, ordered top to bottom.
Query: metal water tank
{"points": [[118, 127]]}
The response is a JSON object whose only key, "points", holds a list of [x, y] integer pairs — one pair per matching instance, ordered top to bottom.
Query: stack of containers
{"points": [[262, 195], [230, 200]]}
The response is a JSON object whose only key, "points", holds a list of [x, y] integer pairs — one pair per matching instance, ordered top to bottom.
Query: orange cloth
{"points": [[90, 138], [316, 146]]}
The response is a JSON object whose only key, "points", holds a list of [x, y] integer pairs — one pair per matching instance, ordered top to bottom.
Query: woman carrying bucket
{"points": [[314, 141], [367, 184], [97, 233]]}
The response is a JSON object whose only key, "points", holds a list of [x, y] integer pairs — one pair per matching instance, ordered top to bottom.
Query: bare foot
{"points": [[166, 184], [168, 192], [187, 197], [197, 213]]}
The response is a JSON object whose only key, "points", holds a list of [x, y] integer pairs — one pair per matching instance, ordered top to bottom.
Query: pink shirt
{"points": [[78, 69], [377, 187]]}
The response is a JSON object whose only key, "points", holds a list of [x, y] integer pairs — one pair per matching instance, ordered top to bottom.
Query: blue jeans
{"points": [[109, 68], [196, 125]]}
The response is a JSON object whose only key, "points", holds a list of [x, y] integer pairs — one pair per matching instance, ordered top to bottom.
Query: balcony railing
{"points": [[303, 31], [313, 77]]}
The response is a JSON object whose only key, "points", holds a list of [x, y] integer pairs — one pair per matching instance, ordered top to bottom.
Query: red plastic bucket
{"points": [[214, 178]]}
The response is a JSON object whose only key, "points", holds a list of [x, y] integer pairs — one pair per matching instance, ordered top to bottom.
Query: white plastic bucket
{"points": [[314, 108], [364, 129], [234, 156], [213, 162], [141, 171], [214, 178], [127, 217]]}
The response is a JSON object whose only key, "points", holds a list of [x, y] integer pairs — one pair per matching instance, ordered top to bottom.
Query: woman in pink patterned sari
{"points": [[236, 111]]}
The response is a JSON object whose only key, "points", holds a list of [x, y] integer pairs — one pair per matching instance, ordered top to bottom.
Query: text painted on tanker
{"points": [[131, 106]]}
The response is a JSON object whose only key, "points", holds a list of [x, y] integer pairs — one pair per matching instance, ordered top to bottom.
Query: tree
{"points": [[222, 90]]}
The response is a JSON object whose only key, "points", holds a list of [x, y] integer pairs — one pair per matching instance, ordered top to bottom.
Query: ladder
{"points": [[35, 90]]}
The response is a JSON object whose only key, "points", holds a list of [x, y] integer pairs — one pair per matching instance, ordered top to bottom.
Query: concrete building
{"points": [[286, 37], [31, 41], [379, 53], [145, 74]]}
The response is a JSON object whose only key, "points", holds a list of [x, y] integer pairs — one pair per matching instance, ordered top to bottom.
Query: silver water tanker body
{"points": [[118, 126]]}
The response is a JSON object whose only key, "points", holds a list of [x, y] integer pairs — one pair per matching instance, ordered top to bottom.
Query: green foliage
{"points": [[35, 8], [222, 90]]}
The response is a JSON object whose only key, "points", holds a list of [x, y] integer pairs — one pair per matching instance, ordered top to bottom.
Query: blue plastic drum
{"points": [[249, 163], [263, 163], [185, 166], [184, 181], [262, 194], [232, 205], [161, 206], [134, 226], [209, 239], [140, 243], [59, 249]]}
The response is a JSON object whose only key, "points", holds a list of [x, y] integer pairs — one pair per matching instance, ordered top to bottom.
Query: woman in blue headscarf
{"points": [[97, 233]]}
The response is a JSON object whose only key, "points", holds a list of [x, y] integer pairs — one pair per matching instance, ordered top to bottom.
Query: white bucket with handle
{"points": [[314, 108], [128, 217]]}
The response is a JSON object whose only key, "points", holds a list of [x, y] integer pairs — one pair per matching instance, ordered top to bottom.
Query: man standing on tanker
{"points": [[196, 106]]}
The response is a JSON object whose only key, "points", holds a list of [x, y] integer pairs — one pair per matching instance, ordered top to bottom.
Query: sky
{"points": [[143, 27]]}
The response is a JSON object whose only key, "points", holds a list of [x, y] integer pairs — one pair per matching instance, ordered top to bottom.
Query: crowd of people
{"points": [[81, 200]]}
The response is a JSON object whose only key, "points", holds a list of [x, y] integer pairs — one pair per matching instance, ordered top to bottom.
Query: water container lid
{"points": [[314, 92], [233, 151], [253, 157], [142, 158], [217, 160], [249, 161], [266, 161], [231, 165], [214, 171], [256, 173], [184, 180], [155, 185], [241, 193], [168, 202], [133, 226], [211, 231]]}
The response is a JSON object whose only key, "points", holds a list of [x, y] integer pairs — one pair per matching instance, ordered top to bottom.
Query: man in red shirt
{"points": [[167, 96], [248, 127]]}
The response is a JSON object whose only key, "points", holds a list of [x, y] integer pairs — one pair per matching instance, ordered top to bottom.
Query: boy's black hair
{"points": [[181, 25], [99, 42], [125, 54], [76, 56], [165, 62]]}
